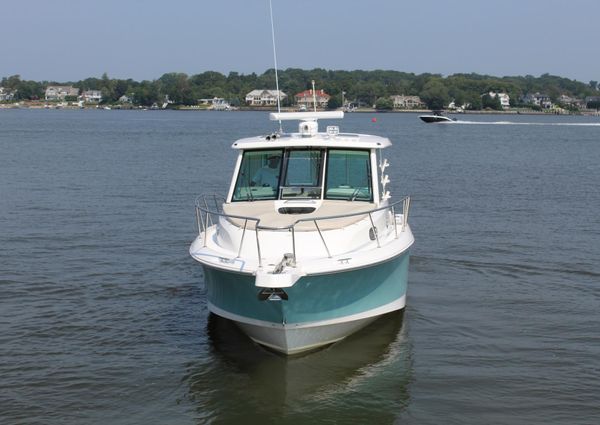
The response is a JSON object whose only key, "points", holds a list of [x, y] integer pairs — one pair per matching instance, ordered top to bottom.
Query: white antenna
{"points": [[275, 60], [314, 96]]}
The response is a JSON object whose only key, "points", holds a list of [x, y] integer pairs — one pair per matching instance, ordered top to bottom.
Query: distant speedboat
{"points": [[436, 117]]}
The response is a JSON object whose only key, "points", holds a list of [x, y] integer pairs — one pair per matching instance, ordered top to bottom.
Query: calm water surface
{"points": [[103, 316]]}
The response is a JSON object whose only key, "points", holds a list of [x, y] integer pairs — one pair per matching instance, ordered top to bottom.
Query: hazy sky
{"points": [[142, 39]]}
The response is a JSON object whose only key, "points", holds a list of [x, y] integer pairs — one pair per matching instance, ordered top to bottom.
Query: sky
{"points": [[69, 40]]}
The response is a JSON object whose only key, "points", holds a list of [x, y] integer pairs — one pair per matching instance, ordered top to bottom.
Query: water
{"points": [[103, 314]]}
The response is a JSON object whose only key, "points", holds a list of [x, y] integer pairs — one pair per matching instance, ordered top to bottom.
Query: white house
{"points": [[60, 92], [6, 94], [92, 96], [264, 97], [504, 99], [537, 99], [407, 102], [452, 106]]}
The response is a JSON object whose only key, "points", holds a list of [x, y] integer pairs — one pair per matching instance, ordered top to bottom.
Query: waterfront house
{"points": [[60, 92], [6, 95], [92, 96], [264, 97], [504, 98], [125, 99], [307, 99], [537, 99], [571, 101], [407, 102], [452, 106]]}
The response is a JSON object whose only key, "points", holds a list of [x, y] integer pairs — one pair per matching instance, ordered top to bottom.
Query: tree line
{"points": [[360, 87]]}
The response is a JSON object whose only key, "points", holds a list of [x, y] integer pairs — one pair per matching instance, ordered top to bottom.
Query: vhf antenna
{"points": [[275, 60]]}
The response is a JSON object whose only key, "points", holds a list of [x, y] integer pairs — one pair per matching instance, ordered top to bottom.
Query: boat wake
{"points": [[570, 124]]}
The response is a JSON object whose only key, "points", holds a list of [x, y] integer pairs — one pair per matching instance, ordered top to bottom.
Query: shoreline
{"points": [[515, 111]]}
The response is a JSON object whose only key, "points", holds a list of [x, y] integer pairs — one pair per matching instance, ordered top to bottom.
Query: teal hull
{"points": [[316, 298]]}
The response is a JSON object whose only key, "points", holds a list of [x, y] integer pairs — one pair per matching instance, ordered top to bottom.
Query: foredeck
{"points": [[266, 212]]}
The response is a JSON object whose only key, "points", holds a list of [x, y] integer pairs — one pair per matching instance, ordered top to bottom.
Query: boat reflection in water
{"points": [[361, 379]]}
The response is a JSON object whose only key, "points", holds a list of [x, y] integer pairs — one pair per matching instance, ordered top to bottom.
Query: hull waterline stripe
{"points": [[387, 308]]}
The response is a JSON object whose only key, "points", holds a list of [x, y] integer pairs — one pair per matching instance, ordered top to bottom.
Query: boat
{"points": [[436, 117], [307, 246]]}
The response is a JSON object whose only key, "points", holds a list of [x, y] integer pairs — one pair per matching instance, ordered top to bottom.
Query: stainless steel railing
{"points": [[209, 205]]}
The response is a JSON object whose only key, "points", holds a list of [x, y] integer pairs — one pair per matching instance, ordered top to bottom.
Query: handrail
{"points": [[331, 217], [203, 223]]}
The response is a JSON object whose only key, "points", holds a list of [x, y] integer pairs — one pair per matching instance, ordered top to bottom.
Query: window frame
{"points": [[284, 172], [322, 173], [251, 198]]}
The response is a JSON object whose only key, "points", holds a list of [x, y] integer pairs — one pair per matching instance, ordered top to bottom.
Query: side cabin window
{"points": [[348, 175], [258, 177]]}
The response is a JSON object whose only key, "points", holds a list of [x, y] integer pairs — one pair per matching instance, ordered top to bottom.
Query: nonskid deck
{"points": [[268, 213]]}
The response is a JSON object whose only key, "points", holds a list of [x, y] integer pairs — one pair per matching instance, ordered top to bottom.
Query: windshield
{"points": [[298, 174]]}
